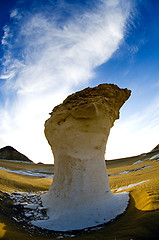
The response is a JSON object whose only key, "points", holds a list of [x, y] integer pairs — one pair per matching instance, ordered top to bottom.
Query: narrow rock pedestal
{"points": [[77, 132]]}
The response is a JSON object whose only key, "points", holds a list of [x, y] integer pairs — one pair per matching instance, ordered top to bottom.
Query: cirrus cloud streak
{"points": [[46, 58]]}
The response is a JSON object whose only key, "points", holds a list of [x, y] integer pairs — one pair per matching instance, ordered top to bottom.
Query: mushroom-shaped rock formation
{"points": [[77, 132]]}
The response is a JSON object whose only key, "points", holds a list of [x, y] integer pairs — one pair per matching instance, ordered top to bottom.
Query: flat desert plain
{"points": [[21, 185]]}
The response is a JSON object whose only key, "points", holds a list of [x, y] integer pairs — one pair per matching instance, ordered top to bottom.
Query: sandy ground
{"points": [[22, 183]]}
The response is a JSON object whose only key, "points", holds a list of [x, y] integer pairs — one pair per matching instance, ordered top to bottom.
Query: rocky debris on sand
{"points": [[155, 157], [130, 171], [30, 172], [31, 204], [12, 206]]}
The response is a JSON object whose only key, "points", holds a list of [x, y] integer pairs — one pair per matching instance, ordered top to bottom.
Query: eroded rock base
{"points": [[86, 216]]}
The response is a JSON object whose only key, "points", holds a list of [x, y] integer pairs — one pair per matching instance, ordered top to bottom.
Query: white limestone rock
{"points": [[77, 132]]}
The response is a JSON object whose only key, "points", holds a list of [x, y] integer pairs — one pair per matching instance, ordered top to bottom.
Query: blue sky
{"points": [[51, 48]]}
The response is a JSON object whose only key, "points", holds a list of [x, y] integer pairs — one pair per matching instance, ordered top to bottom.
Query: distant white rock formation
{"points": [[77, 131]]}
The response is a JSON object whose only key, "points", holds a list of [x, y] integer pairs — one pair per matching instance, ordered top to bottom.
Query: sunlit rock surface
{"points": [[77, 132]]}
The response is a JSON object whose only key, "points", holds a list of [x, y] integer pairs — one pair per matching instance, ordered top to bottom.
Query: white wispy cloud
{"points": [[45, 60], [137, 134]]}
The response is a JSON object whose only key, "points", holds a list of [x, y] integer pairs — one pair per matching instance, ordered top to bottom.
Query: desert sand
{"points": [[140, 221]]}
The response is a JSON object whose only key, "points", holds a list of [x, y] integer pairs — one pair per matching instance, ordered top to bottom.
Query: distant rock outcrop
{"points": [[77, 132], [156, 148], [9, 153]]}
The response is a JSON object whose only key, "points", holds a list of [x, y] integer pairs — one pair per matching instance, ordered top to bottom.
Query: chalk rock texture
{"points": [[77, 132]]}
